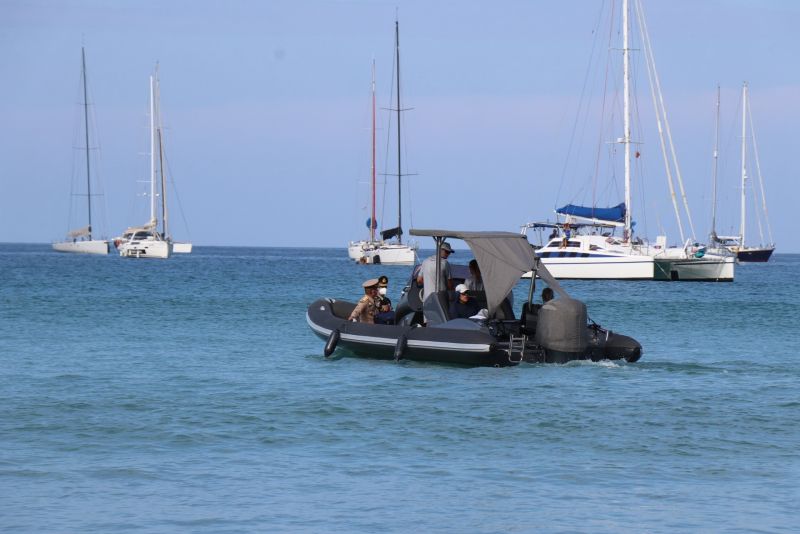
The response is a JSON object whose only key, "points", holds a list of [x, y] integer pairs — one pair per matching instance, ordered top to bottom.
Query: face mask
{"points": [[382, 291]]}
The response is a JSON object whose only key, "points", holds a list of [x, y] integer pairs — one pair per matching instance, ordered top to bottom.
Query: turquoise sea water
{"points": [[189, 395]]}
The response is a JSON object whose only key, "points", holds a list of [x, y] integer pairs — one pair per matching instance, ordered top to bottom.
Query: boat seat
{"points": [[437, 307], [342, 308], [504, 312], [529, 318]]}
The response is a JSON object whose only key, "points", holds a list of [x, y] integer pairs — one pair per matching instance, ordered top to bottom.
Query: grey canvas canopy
{"points": [[503, 257]]}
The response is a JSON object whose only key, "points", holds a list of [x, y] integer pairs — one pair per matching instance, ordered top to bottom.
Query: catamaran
{"points": [[81, 240], [148, 240], [584, 243], [737, 243], [384, 251]]}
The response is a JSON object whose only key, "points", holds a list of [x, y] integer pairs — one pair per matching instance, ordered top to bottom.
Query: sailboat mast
{"points": [[627, 118], [160, 132], [86, 133], [152, 155], [744, 162], [399, 167], [714, 183], [372, 219]]}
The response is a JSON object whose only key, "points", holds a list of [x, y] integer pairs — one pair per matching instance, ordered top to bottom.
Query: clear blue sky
{"points": [[267, 109]]}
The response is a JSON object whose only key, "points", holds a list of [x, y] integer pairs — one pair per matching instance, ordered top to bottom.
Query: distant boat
{"points": [[81, 240], [148, 240], [584, 243], [737, 244], [356, 249], [383, 251]]}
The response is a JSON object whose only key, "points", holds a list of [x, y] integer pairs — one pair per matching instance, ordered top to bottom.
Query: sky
{"points": [[266, 106]]}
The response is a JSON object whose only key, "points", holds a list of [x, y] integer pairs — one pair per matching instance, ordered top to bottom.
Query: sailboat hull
{"points": [[94, 246], [181, 248], [145, 249], [355, 250], [390, 254], [754, 255], [608, 268], [696, 269]]}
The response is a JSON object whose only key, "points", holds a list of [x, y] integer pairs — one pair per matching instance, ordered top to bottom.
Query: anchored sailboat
{"points": [[81, 240], [148, 240], [584, 243], [737, 244], [356, 249], [384, 251]]}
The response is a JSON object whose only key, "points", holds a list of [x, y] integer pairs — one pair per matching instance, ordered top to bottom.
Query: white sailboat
{"points": [[81, 240], [148, 240], [585, 244], [737, 244], [355, 249], [383, 251]]}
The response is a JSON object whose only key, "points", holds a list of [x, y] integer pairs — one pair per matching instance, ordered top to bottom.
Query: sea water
{"points": [[189, 395]]}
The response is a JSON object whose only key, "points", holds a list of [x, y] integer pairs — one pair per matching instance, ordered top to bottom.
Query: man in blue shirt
{"points": [[464, 306]]}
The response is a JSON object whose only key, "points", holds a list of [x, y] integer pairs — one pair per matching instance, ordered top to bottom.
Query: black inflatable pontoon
{"points": [[555, 332]]}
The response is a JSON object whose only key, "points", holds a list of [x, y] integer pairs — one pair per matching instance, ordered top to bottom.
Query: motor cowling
{"points": [[561, 329]]}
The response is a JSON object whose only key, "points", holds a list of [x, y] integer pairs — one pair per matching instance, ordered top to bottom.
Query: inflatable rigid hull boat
{"points": [[554, 332], [458, 341]]}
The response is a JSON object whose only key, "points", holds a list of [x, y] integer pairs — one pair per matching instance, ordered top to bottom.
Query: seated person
{"points": [[547, 295], [367, 306], [464, 306], [385, 313]]}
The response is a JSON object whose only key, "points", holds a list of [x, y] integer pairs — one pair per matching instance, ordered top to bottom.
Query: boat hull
{"points": [[95, 246], [181, 248], [145, 249], [356, 249], [365, 252], [754, 255], [610, 268], [696, 269], [461, 343], [472, 348]]}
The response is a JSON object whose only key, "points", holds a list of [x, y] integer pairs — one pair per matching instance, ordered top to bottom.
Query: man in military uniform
{"points": [[367, 306], [385, 313]]}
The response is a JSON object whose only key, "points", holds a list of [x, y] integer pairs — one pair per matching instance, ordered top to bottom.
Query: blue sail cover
{"points": [[615, 214]]}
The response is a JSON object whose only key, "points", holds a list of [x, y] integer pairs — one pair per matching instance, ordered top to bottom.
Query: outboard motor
{"points": [[561, 330]]}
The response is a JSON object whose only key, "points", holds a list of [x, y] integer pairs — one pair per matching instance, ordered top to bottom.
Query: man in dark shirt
{"points": [[464, 306], [385, 314]]}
